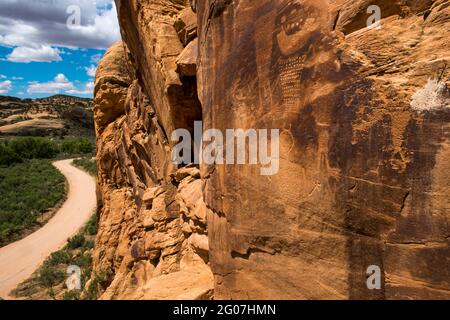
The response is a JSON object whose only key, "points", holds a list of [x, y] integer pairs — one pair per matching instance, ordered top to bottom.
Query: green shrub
{"points": [[77, 146], [34, 148], [16, 150], [8, 156], [91, 226], [76, 242], [89, 244], [59, 257], [84, 260], [50, 276], [99, 281], [51, 293], [91, 293], [71, 295]]}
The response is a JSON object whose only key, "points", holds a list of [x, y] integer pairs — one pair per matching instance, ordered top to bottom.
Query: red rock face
{"points": [[364, 178], [362, 181], [152, 241]]}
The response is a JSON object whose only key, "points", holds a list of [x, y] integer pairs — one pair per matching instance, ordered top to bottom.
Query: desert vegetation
{"points": [[76, 146], [17, 150], [30, 186], [27, 191], [48, 282]]}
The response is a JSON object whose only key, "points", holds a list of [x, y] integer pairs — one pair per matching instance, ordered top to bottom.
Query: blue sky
{"points": [[53, 47]]}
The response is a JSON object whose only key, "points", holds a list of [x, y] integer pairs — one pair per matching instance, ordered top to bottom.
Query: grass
{"points": [[87, 163], [28, 190], [48, 282]]}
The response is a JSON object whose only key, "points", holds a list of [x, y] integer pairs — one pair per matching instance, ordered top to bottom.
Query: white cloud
{"points": [[25, 23], [104, 28], [18, 37], [40, 54], [96, 58], [90, 71], [2, 76], [17, 78], [61, 78], [59, 84], [5, 86], [88, 89]]}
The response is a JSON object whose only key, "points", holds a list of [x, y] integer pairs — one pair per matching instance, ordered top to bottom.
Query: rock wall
{"points": [[364, 180], [152, 241]]}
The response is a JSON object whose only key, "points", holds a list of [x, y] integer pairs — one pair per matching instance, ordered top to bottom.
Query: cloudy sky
{"points": [[53, 46]]}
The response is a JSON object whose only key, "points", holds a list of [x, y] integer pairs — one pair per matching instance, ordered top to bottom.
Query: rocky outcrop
{"points": [[363, 114], [58, 115], [152, 241]]}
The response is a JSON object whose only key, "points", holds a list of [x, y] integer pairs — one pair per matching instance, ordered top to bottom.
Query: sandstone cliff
{"points": [[364, 178], [152, 241]]}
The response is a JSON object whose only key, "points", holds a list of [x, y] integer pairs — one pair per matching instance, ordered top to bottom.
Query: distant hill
{"points": [[7, 98], [65, 99], [58, 115]]}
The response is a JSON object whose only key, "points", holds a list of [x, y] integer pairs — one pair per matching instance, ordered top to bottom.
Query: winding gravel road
{"points": [[20, 259]]}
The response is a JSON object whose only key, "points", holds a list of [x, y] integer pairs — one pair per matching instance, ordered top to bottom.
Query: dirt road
{"points": [[20, 259]]}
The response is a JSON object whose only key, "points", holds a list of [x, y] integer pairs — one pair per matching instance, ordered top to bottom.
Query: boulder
{"points": [[187, 60]]}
